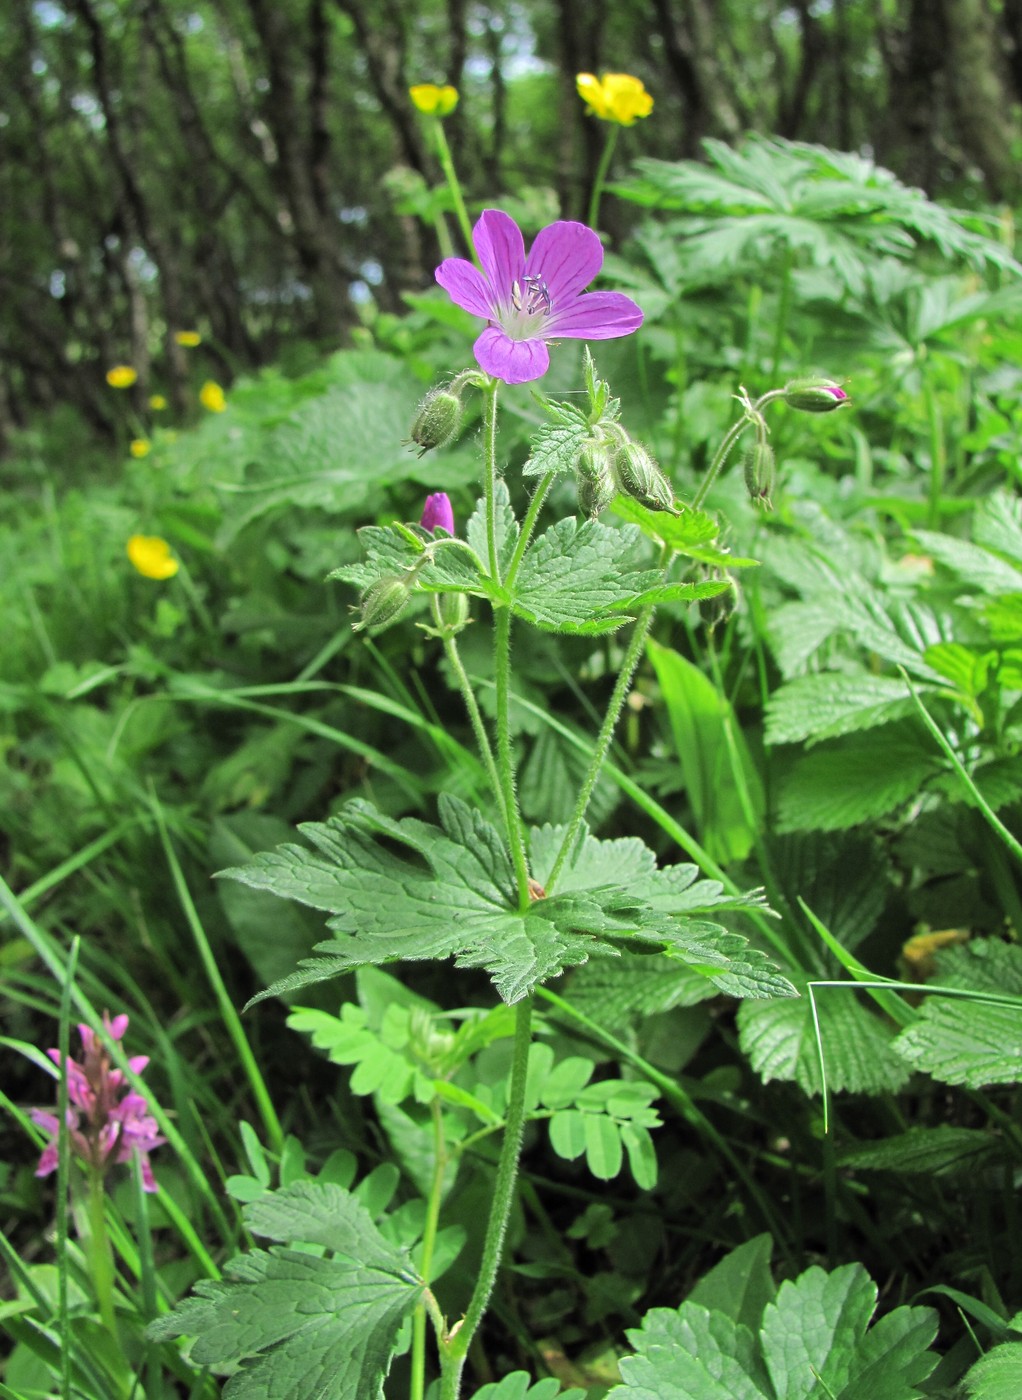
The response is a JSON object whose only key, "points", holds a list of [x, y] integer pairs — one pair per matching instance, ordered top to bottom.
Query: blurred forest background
{"points": [[253, 169]]}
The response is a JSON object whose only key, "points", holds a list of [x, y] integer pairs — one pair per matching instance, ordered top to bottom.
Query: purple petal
{"points": [[498, 241], [566, 256], [466, 286], [596, 316], [513, 361], [118, 1026], [44, 1119], [48, 1161], [148, 1180]]}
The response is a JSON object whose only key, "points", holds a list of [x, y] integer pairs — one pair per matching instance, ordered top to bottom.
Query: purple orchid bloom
{"points": [[531, 301], [438, 512], [117, 1122]]}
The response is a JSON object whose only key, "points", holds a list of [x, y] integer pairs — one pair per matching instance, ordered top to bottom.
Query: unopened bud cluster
{"points": [[612, 464]]}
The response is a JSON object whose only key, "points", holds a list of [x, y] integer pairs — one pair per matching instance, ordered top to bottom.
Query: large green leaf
{"points": [[574, 577], [829, 703], [856, 778], [405, 889], [779, 1038], [965, 1042], [302, 1325], [812, 1339], [817, 1340]]}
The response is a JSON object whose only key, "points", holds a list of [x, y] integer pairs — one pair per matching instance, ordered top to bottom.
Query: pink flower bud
{"points": [[438, 514]]}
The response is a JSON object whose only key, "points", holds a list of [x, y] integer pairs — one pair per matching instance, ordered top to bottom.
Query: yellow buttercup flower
{"points": [[616, 97], [434, 101], [189, 338], [121, 377], [211, 396], [157, 403], [140, 447], [151, 556]]}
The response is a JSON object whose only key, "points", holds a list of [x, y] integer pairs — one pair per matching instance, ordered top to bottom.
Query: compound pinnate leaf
{"points": [[302, 1325]]}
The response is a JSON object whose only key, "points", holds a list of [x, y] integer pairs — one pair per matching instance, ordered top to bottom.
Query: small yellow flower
{"points": [[616, 97], [434, 101], [188, 338], [121, 377], [211, 396], [157, 403], [140, 447], [151, 556]]}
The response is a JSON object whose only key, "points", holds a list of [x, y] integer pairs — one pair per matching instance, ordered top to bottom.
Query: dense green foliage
{"points": [[815, 788]]}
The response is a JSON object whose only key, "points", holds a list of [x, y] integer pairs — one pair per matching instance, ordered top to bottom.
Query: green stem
{"points": [[443, 152], [601, 175], [733, 434], [490, 475], [528, 525], [617, 700], [474, 715], [505, 755], [100, 1254], [453, 1353], [417, 1387]]}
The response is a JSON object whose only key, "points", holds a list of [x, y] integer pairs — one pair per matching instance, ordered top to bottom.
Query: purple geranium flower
{"points": [[530, 301], [438, 513], [107, 1121]]}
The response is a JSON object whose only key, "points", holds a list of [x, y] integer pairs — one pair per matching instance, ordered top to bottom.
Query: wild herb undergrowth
{"points": [[635, 1009]]}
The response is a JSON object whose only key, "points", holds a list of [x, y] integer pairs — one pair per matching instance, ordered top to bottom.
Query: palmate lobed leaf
{"points": [[408, 889], [301, 1324], [811, 1339]]}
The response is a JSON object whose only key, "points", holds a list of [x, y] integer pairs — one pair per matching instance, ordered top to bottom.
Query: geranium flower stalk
{"points": [[532, 301]]}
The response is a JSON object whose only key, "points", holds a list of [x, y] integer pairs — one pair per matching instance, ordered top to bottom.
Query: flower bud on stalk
{"points": [[814, 395], [437, 420], [760, 471], [638, 476], [595, 480], [438, 513], [381, 603], [451, 613]]}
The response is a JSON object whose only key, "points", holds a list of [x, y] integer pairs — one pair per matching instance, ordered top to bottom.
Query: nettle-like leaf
{"points": [[556, 446], [689, 532], [577, 578], [828, 704], [856, 778], [406, 889], [780, 1040], [961, 1041], [940, 1151], [302, 1324], [813, 1339], [997, 1375]]}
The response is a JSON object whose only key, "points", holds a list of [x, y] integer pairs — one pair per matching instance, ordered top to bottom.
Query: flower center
{"points": [[530, 304]]}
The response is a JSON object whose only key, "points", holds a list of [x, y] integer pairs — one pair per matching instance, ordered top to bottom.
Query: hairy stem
{"points": [[610, 719], [454, 1352], [417, 1386]]}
